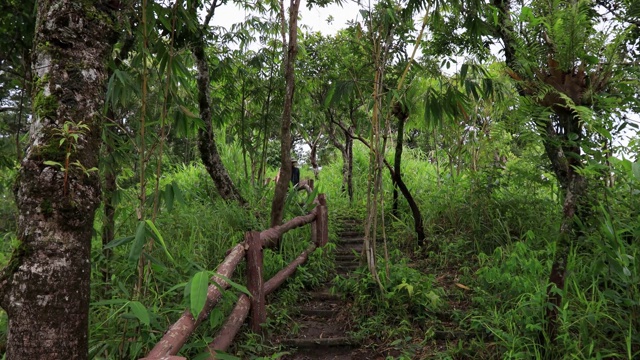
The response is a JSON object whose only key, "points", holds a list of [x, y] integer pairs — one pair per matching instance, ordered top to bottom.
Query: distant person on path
{"points": [[295, 173]]}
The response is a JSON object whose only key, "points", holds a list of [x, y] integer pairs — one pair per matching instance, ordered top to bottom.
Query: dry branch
{"points": [[180, 331]]}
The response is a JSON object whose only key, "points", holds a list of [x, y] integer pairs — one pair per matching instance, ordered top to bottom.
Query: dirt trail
{"points": [[321, 328]]}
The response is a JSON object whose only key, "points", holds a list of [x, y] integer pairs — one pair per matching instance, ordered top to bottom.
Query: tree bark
{"points": [[402, 116], [206, 137], [346, 150], [313, 157], [566, 162], [348, 163], [282, 185], [45, 288]]}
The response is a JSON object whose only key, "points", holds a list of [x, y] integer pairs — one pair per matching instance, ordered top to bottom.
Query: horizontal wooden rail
{"points": [[269, 236], [251, 247], [180, 331], [227, 333]]}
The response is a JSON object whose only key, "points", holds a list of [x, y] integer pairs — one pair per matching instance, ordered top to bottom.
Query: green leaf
{"points": [[463, 71], [188, 112], [52, 163], [635, 168], [177, 192], [168, 197], [160, 239], [118, 242], [138, 243], [234, 285], [198, 294], [140, 312], [216, 318], [225, 356]]}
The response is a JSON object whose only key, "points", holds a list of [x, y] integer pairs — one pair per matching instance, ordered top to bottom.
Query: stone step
{"points": [[349, 233], [351, 240], [347, 256], [350, 265], [324, 296], [321, 313], [319, 342]]}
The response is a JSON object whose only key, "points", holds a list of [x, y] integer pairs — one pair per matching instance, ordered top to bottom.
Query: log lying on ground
{"points": [[269, 236], [180, 331], [225, 336]]}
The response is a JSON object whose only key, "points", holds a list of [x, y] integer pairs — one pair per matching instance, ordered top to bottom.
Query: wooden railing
{"points": [[251, 248]]}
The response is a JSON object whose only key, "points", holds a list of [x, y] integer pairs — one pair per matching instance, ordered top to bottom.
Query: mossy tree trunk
{"points": [[45, 289]]}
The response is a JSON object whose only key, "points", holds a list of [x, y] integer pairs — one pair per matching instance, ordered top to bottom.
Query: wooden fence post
{"points": [[314, 227], [321, 231], [255, 280]]}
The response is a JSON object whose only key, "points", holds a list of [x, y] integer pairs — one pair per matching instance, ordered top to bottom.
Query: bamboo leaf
{"points": [[188, 112], [168, 197], [160, 238], [118, 242], [138, 243], [234, 285], [198, 293], [140, 312]]}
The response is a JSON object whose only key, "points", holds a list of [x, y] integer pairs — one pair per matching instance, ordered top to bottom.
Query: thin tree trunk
{"points": [[19, 124], [265, 130], [206, 137], [313, 157], [397, 159], [566, 162], [348, 168], [282, 185], [415, 210], [108, 222], [45, 288]]}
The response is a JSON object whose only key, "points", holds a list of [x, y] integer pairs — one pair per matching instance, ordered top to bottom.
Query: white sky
{"points": [[316, 18]]}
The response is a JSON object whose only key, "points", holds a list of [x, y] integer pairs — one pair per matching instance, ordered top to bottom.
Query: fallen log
{"points": [[180, 331]]}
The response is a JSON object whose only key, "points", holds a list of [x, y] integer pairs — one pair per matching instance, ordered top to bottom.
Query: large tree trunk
{"points": [[206, 137], [277, 205], [45, 288]]}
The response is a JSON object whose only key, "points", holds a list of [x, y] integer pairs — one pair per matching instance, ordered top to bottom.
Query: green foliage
{"points": [[409, 299]]}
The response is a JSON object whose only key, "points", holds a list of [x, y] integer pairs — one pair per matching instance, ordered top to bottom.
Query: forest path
{"points": [[320, 329]]}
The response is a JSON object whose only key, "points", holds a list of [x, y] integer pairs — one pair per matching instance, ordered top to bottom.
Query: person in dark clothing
{"points": [[295, 173]]}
